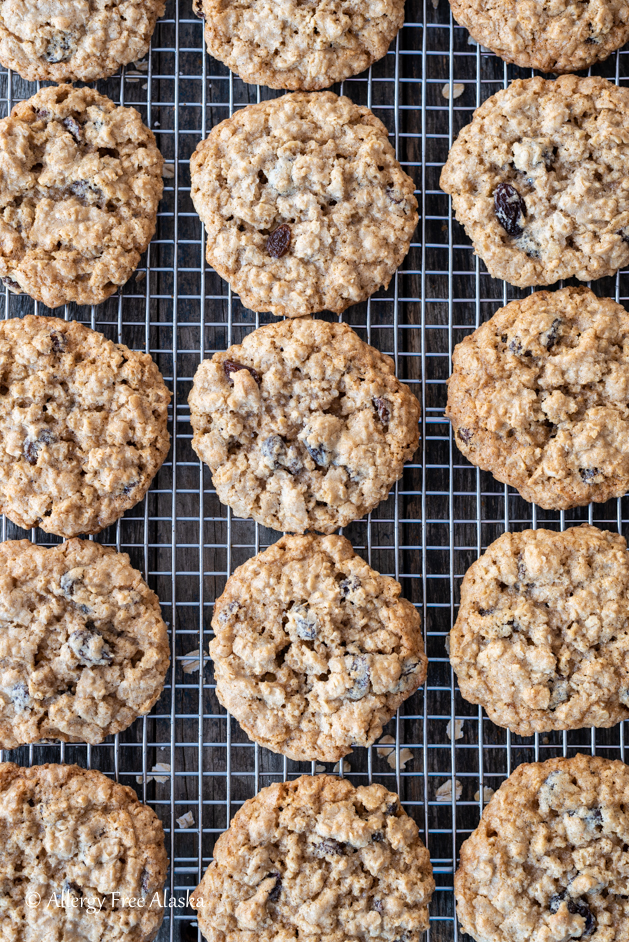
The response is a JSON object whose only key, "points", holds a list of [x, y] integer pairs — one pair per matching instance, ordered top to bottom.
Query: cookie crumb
{"points": [[457, 90], [447, 644], [458, 730], [383, 753], [405, 756], [159, 767], [444, 792], [488, 794], [186, 820]]}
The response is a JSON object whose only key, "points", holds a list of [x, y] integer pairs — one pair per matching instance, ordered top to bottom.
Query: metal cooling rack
{"points": [[441, 515]]}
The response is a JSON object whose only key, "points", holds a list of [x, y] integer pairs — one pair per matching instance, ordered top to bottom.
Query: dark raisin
{"points": [[197, 9], [590, 41], [59, 49], [43, 114], [73, 127], [549, 157], [86, 191], [390, 193], [509, 208], [624, 235], [278, 243], [11, 284], [549, 338], [58, 342], [515, 346], [232, 366], [383, 408], [464, 434], [46, 437], [273, 449], [31, 451], [318, 454], [588, 474], [521, 571], [67, 584], [347, 586], [230, 609], [486, 611], [306, 623], [90, 647], [409, 668], [359, 672], [559, 693], [20, 697], [551, 780], [393, 808], [378, 837], [330, 848], [145, 881], [70, 888], [274, 895], [556, 901], [377, 905], [580, 908]]}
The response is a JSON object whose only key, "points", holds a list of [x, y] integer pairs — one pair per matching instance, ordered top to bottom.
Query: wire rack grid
{"points": [[437, 520]]}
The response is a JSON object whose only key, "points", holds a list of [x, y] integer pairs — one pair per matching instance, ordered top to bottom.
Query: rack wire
{"points": [[437, 520]]}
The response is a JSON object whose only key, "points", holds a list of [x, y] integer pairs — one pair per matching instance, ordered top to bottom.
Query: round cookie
{"points": [[552, 37], [75, 40], [298, 46], [538, 180], [80, 185], [304, 204], [538, 396], [83, 425], [303, 425], [541, 640], [83, 648], [314, 651], [316, 857], [82, 858], [549, 859]]}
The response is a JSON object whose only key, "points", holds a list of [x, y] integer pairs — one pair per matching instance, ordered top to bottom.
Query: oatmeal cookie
{"points": [[546, 35], [74, 40], [296, 45], [538, 180], [79, 189], [305, 206], [538, 396], [83, 425], [303, 425], [542, 636], [83, 648], [314, 651], [75, 846], [317, 858], [549, 859]]}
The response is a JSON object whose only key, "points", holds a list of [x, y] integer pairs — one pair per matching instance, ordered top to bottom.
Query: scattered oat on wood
{"points": [[142, 66], [457, 90], [168, 172], [140, 276], [447, 638], [191, 661], [458, 730], [385, 741], [405, 756], [343, 766], [159, 767], [319, 768], [444, 792], [488, 794], [186, 820]]}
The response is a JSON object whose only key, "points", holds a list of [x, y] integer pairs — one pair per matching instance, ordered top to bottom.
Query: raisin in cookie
{"points": [[544, 34], [74, 40], [300, 45], [538, 180], [80, 185], [305, 206], [538, 396], [83, 425], [303, 425], [542, 636], [83, 648], [314, 651], [81, 858], [317, 858], [549, 859]]}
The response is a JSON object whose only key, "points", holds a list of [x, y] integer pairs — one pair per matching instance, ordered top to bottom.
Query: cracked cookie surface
{"points": [[550, 35], [74, 40], [300, 45], [319, 170], [538, 180], [80, 185], [538, 396], [83, 425], [303, 425], [541, 640], [83, 647], [314, 650], [70, 836], [315, 858], [549, 859]]}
